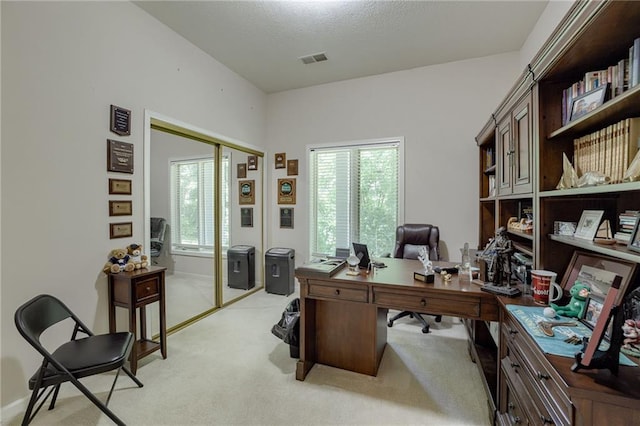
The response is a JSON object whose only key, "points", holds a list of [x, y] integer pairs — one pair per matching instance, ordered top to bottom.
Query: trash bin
{"points": [[241, 267], [279, 270], [288, 328]]}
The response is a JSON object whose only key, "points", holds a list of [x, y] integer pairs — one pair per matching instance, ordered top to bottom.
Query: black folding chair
{"points": [[75, 359]]}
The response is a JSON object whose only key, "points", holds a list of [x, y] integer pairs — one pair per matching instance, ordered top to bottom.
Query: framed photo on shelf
{"points": [[586, 103], [588, 225], [634, 241], [598, 272]]}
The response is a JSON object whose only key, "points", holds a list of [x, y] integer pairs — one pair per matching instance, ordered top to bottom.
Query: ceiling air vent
{"points": [[316, 57]]}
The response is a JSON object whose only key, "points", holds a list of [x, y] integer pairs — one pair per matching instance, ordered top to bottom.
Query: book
{"points": [[634, 63]]}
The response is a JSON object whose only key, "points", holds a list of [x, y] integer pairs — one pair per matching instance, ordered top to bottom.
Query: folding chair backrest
{"points": [[38, 314]]}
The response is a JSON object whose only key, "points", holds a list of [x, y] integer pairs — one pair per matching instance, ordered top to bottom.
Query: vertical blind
{"points": [[192, 196], [354, 197]]}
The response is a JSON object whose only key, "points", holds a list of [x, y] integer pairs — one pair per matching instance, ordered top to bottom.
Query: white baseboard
{"points": [[14, 410]]}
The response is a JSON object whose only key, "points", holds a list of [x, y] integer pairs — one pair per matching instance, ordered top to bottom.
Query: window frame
{"points": [[399, 141]]}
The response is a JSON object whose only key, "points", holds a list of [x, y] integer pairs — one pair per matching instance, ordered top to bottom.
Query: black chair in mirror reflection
{"points": [[158, 233], [410, 238], [78, 357]]}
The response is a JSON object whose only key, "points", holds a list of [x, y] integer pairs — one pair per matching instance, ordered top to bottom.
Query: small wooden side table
{"points": [[135, 290]]}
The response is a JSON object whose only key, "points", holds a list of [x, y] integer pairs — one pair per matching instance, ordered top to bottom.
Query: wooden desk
{"points": [[135, 290], [343, 319]]}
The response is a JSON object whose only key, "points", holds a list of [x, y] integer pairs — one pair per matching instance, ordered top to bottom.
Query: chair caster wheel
{"points": [[389, 323], [425, 330]]}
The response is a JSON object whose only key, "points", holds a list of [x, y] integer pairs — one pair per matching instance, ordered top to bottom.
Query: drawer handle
{"points": [[148, 288], [337, 292], [423, 302], [512, 331], [515, 365], [542, 376], [512, 406], [516, 419], [545, 420]]}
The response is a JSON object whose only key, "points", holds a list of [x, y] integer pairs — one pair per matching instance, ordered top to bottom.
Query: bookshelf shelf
{"points": [[625, 105], [490, 170], [592, 190], [525, 235], [616, 250]]}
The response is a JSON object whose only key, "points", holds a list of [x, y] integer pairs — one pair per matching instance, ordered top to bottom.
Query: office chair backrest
{"points": [[158, 231], [411, 237]]}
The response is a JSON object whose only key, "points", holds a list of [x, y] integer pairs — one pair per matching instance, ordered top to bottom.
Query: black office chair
{"points": [[158, 232], [410, 238], [73, 360]]}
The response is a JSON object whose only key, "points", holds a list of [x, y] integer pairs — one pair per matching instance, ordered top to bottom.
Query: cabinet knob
{"points": [[148, 288], [337, 292], [423, 302], [512, 331], [515, 365], [542, 376], [545, 420]]}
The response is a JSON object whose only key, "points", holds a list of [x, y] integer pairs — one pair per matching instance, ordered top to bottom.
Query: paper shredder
{"points": [[241, 267], [279, 267]]}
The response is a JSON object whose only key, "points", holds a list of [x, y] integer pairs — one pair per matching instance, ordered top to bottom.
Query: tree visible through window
{"points": [[354, 194], [193, 203]]}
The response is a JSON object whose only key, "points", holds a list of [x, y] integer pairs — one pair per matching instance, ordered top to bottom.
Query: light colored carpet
{"points": [[229, 369]]}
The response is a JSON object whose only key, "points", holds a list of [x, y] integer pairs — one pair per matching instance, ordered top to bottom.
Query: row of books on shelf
{"points": [[618, 78], [609, 150], [490, 159], [626, 225]]}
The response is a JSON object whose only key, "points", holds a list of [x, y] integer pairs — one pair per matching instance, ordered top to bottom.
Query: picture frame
{"points": [[584, 104], [280, 160], [252, 162], [292, 167], [242, 170], [119, 187], [286, 191], [246, 192], [120, 207], [286, 218], [588, 224], [564, 228], [120, 230], [634, 241], [597, 271], [593, 313]]}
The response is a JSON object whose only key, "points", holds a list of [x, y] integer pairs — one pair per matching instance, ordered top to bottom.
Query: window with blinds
{"points": [[192, 196], [355, 196]]}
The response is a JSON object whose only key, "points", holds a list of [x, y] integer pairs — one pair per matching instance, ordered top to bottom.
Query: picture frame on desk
{"points": [[584, 104], [588, 225], [634, 241], [598, 272], [592, 314]]}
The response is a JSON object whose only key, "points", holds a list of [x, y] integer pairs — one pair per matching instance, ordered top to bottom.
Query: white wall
{"points": [[63, 65], [438, 109]]}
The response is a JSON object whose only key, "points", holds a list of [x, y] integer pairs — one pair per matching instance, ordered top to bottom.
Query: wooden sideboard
{"points": [[134, 291]]}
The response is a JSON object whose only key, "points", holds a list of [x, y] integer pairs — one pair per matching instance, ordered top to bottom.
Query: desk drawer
{"points": [[147, 289], [339, 292], [463, 306], [534, 369]]}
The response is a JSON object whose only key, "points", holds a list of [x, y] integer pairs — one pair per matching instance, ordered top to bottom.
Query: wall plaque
{"points": [[120, 121], [119, 156], [280, 160], [252, 162], [292, 167], [242, 170], [120, 186], [287, 191], [246, 193], [120, 208], [246, 217], [286, 217], [120, 230]]}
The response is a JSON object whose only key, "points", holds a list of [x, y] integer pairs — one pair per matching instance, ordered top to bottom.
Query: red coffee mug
{"points": [[542, 283]]}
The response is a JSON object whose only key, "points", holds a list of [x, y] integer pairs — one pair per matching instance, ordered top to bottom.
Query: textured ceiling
{"points": [[262, 40]]}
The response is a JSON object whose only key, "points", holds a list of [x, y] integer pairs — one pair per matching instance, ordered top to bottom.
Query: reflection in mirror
{"points": [[183, 183], [243, 255]]}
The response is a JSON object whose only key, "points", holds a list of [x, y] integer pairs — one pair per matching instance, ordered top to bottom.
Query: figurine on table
{"points": [[497, 254]]}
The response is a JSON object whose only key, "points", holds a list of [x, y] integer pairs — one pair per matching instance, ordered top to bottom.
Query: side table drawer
{"points": [[147, 289], [339, 292]]}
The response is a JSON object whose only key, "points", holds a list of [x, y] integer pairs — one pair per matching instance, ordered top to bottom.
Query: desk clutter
{"points": [[566, 338]]}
